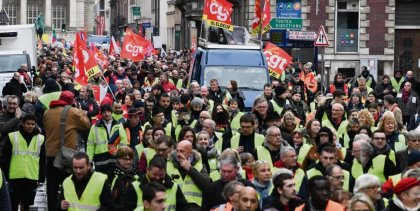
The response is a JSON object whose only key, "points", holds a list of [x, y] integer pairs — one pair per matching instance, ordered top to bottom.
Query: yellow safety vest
{"points": [[178, 83], [395, 84], [46, 99], [276, 107], [117, 117], [174, 118], [235, 123], [168, 128], [341, 129], [98, 139], [258, 140], [400, 143], [139, 149], [304, 149], [149, 153], [264, 154], [25, 159], [212, 164], [377, 168], [315, 172], [298, 178], [1, 179], [192, 193], [90, 199], [170, 201]]}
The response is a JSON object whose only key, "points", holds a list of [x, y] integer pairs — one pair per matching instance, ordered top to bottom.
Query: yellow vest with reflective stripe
{"points": [[178, 83], [395, 84], [46, 99], [117, 117], [174, 118], [235, 123], [342, 129], [98, 139], [258, 140], [139, 149], [303, 151], [343, 151], [264, 154], [391, 156], [25, 159], [212, 164], [377, 168], [298, 178], [1, 179], [192, 193], [90, 199], [170, 201]]}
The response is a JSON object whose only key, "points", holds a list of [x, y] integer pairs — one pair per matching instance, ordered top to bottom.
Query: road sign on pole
{"points": [[322, 38]]}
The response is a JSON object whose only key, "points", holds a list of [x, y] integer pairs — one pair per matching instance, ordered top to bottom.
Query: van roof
{"points": [[234, 57]]}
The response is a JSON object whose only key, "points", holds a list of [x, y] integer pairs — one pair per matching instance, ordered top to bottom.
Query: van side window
{"points": [[197, 67]]}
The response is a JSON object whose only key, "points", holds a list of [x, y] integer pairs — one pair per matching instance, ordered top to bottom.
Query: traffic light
{"points": [[63, 27]]}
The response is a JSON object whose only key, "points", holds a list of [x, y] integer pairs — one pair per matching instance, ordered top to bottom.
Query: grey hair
{"points": [[126, 80], [197, 102], [212, 123], [414, 134], [362, 137], [366, 147], [286, 149], [230, 161], [330, 168], [414, 173], [364, 181], [229, 188], [361, 197]]}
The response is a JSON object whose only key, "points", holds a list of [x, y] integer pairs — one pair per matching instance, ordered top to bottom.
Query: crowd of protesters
{"points": [[157, 141]]}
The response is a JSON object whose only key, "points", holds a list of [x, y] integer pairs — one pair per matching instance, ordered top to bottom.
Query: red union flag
{"points": [[219, 14], [266, 17], [257, 18], [134, 46], [100, 57], [277, 59], [84, 61]]}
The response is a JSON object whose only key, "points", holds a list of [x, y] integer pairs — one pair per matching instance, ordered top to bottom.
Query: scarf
{"points": [[405, 96], [336, 122], [262, 189]]}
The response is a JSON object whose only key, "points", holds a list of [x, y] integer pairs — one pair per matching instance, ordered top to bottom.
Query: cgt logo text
{"points": [[216, 9], [135, 50]]}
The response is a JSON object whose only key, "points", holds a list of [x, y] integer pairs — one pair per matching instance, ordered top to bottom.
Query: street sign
{"points": [[286, 23], [146, 25], [299, 35], [321, 39]]}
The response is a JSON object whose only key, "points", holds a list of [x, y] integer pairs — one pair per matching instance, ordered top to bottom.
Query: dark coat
{"points": [[14, 88], [401, 157], [272, 202]]}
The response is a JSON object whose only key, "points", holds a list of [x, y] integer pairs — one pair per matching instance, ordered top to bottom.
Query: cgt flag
{"points": [[218, 13], [256, 23], [134, 46], [114, 49], [100, 57], [277, 59], [84, 61]]}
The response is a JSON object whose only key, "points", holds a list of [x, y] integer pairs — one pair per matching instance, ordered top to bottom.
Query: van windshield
{"points": [[12, 62], [247, 77]]}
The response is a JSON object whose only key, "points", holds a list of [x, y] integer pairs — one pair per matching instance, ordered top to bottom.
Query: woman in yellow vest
{"points": [[234, 116], [366, 118], [310, 132], [395, 139], [202, 145], [301, 148]]}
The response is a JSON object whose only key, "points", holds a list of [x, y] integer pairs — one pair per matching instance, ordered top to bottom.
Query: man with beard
{"points": [[364, 73], [409, 77], [397, 80], [178, 82], [338, 84], [384, 88], [204, 93], [267, 93], [279, 100], [165, 105], [300, 106], [221, 116], [247, 139], [366, 161], [229, 171], [156, 172], [93, 186], [284, 195], [319, 196]]}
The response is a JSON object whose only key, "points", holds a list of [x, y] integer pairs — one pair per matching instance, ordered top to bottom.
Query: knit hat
{"points": [[295, 74], [51, 85], [279, 90], [67, 97], [138, 104], [106, 107], [133, 111], [413, 157], [406, 184]]}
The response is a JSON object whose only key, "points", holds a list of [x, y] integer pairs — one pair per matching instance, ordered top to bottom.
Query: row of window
{"points": [[58, 14]]}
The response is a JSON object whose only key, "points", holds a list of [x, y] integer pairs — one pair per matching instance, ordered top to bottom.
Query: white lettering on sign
{"points": [[217, 9], [134, 49], [85, 56], [275, 61]]}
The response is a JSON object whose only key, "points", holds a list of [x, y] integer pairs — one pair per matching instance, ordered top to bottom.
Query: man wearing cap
{"points": [[151, 79], [297, 85], [279, 100], [300, 106], [158, 120], [76, 123], [133, 128], [105, 137], [408, 194]]}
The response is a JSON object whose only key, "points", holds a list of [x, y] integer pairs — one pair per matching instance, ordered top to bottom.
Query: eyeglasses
{"points": [[275, 135], [379, 138], [414, 141], [339, 177]]}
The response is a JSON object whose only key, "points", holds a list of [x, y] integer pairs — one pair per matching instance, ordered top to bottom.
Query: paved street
{"points": [[40, 199]]}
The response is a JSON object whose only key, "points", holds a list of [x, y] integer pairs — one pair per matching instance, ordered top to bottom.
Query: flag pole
{"points": [[260, 24], [112, 93]]}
